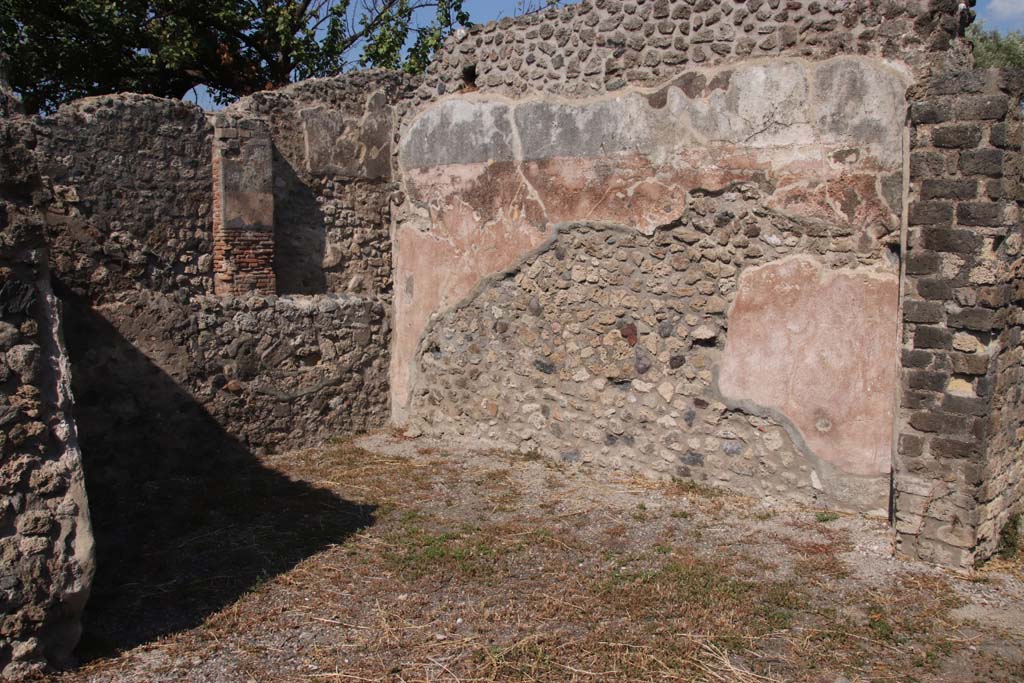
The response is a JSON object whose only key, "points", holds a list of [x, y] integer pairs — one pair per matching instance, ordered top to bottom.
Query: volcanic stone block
{"points": [[982, 107], [931, 111], [960, 136], [988, 162], [943, 188], [931, 213], [979, 214], [950, 240], [972, 319], [926, 337]]}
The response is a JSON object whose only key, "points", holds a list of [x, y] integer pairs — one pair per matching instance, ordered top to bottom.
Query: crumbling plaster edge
{"points": [[898, 68], [407, 120], [556, 230], [485, 283], [824, 470], [62, 636]]}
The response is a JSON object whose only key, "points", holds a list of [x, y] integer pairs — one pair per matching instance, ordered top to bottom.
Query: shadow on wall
{"points": [[300, 233], [186, 519]]}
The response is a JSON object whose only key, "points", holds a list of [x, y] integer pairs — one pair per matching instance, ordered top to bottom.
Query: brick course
{"points": [[243, 207]]}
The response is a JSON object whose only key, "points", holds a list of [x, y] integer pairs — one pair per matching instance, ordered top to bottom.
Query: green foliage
{"points": [[385, 44], [63, 49], [994, 49], [825, 517], [1010, 542], [418, 551], [880, 626]]}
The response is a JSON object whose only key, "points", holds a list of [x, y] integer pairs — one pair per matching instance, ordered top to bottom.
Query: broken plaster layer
{"points": [[334, 145], [488, 176], [603, 346], [818, 347], [74, 522], [47, 560]]}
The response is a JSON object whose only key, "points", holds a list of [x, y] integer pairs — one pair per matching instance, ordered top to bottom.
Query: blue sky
{"points": [[485, 10], [1003, 15]]}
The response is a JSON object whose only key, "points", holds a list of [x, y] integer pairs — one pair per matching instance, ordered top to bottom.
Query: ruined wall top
{"points": [[604, 45], [340, 125], [120, 214]]}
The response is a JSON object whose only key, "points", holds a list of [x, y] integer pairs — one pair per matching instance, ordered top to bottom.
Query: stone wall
{"points": [[599, 46], [676, 52], [624, 121], [747, 164], [130, 195], [131, 222], [610, 347], [274, 372], [959, 463], [1002, 495], [46, 543]]}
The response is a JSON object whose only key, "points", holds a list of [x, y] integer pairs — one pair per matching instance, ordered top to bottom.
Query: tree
{"points": [[524, 7], [384, 46], [63, 49], [993, 49]]}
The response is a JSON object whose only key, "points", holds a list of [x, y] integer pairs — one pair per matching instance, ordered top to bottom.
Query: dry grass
{"points": [[997, 565], [506, 569]]}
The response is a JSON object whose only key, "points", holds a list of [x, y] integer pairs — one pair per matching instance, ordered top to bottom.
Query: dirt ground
{"points": [[460, 565]]}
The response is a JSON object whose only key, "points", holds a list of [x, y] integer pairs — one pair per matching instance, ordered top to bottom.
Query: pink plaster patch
{"points": [[437, 271], [819, 347]]}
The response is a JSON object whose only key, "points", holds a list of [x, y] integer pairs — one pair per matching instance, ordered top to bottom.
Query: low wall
{"points": [[273, 372]]}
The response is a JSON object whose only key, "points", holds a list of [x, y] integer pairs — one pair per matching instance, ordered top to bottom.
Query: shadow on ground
{"points": [[186, 519]]}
